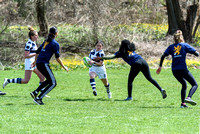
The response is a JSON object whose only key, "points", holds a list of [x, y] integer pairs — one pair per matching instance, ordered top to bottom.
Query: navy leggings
{"points": [[140, 65], [182, 76], [50, 81]]}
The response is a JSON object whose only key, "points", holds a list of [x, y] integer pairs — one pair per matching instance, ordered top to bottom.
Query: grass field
{"points": [[73, 109]]}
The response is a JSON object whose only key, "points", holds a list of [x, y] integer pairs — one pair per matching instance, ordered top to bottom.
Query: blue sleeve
{"points": [[190, 49], [57, 50], [167, 51], [117, 54]]}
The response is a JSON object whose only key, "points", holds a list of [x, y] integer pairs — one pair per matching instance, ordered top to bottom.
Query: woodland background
{"points": [[82, 22]]}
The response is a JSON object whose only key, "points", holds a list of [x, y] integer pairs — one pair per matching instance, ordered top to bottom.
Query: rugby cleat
{"points": [[5, 82], [95, 92], [2, 93], [33, 94], [164, 94], [109, 95], [128, 99], [38, 101], [190, 101], [183, 105]]}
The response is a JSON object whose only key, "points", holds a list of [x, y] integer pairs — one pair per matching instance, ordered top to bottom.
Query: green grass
{"points": [[72, 107]]}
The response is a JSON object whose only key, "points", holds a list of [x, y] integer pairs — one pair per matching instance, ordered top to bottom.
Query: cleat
{"points": [[5, 82], [95, 92], [2, 93], [33, 94], [164, 94], [109, 95], [128, 99], [38, 101], [190, 101], [183, 105]]}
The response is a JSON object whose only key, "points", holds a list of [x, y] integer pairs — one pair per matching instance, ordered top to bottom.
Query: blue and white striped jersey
{"points": [[30, 46], [93, 54]]}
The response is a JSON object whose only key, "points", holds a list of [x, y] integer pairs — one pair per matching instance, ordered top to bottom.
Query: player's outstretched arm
{"points": [[106, 57], [60, 62]]}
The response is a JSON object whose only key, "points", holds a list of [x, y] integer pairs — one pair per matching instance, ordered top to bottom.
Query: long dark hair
{"points": [[52, 34], [125, 47]]}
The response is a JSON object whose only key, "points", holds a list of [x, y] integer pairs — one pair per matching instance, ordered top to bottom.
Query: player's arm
{"points": [[196, 53], [28, 55], [108, 57], [161, 62], [34, 63], [61, 63]]}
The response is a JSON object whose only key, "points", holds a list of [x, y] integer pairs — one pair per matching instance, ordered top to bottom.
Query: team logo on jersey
{"points": [[45, 44], [177, 50]]}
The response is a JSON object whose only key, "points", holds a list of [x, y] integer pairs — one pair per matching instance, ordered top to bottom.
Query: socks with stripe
{"points": [[15, 80], [93, 84], [108, 88]]}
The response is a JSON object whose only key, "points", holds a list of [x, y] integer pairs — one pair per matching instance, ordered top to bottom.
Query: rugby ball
{"points": [[86, 61]]}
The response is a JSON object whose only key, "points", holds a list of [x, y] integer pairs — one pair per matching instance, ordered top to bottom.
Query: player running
{"points": [[178, 51], [29, 54], [43, 55], [137, 63], [98, 69]]}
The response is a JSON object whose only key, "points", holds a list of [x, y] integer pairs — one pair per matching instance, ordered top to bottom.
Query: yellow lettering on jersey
{"points": [[45, 44], [177, 49], [130, 52]]}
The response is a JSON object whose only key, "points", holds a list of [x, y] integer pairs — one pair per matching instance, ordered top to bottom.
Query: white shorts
{"points": [[28, 63], [99, 70]]}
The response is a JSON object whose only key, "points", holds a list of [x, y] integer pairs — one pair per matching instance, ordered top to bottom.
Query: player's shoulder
{"points": [[29, 42]]}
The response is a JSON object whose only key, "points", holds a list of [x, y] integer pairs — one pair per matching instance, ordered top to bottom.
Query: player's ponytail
{"points": [[31, 32], [52, 34], [178, 37], [124, 48]]}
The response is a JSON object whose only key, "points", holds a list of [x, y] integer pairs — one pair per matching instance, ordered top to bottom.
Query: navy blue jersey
{"points": [[46, 50], [178, 53], [130, 59]]}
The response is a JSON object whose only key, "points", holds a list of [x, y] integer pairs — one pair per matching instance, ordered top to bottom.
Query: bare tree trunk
{"points": [[94, 13], [41, 17], [176, 20]]}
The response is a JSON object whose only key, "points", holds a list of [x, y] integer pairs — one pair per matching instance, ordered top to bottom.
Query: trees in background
{"points": [[183, 15], [41, 17]]}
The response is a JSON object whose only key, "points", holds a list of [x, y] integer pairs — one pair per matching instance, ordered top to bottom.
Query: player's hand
{"points": [[97, 58], [91, 62], [33, 64], [66, 68], [158, 70]]}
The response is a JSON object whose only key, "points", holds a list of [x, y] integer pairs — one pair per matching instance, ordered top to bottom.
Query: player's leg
{"points": [[135, 69], [146, 72], [101, 73], [28, 74], [178, 74], [40, 76], [189, 77], [92, 82], [49, 83], [107, 86]]}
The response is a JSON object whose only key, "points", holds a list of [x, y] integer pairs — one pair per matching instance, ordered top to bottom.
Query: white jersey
{"points": [[32, 48], [93, 54], [99, 70]]}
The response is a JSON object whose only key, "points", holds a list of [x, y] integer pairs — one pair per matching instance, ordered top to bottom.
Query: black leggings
{"points": [[140, 65], [182, 76], [50, 81]]}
